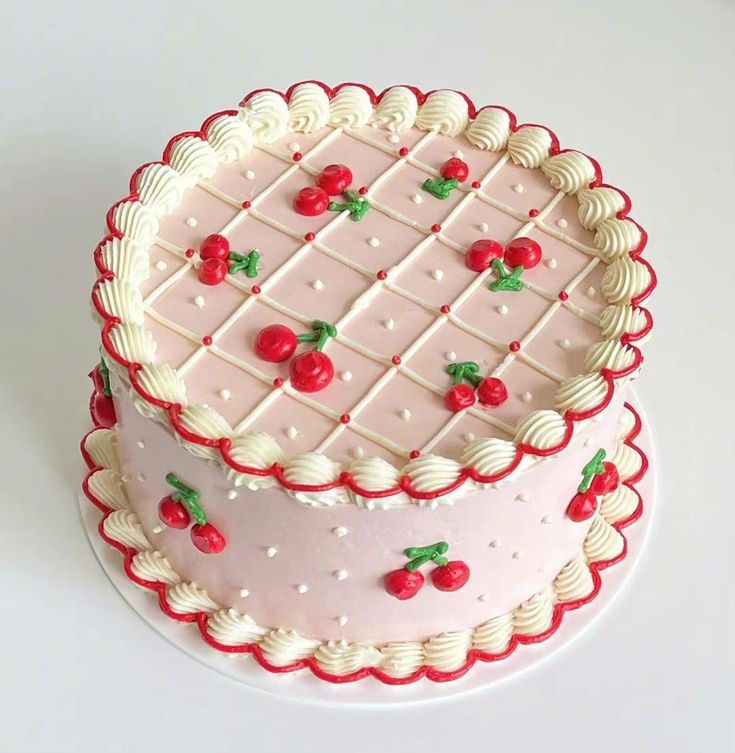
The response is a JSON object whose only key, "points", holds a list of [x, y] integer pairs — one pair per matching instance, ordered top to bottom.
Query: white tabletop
{"points": [[91, 92]]}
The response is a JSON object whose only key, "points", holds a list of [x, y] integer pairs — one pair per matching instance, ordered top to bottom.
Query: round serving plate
{"points": [[369, 692]]}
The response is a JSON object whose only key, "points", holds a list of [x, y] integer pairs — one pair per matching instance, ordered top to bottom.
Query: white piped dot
{"points": [[393, 138], [294, 146], [458, 153], [250, 174], [518, 187], [417, 198], [191, 221], [562, 223], [484, 227], [373, 242], [552, 263], [161, 265], [437, 274], [317, 284], [591, 292], [199, 301], [502, 309], [389, 324], [564, 343], [450, 356], [345, 376], [225, 394], [526, 397], [405, 414], [292, 432], [468, 436], [587, 442], [140, 443], [358, 453], [140, 477], [232, 494], [522, 497], [546, 519], [157, 529], [339, 531], [496, 543], [271, 552], [518, 555], [341, 574], [302, 588], [244, 593], [483, 597], [342, 621]]}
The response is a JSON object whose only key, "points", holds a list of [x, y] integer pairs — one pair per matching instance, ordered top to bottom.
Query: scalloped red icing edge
{"points": [[224, 444], [473, 655]]}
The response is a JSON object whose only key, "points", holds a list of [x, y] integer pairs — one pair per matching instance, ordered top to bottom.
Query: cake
{"points": [[361, 404]]}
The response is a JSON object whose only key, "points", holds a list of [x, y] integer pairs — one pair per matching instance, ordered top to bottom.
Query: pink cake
{"points": [[361, 406]]}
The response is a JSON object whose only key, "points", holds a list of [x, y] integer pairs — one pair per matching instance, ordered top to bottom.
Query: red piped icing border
{"points": [[224, 444], [435, 675]]}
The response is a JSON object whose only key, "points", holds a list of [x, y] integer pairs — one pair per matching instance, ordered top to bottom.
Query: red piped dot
{"points": [[403, 151], [296, 157], [476, 184], [362, 190], [246, 204], [533, 212], [436, 228], [309, 237], [189, 253], [382, 274], [255, 290], [563, 295], [445, 309], [207, 340], [515, 346], [396, 360], [278, 382], [345, 418], [414, 454]]}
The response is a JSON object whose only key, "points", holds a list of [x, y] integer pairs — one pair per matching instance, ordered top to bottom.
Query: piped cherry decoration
{"points": [[456, 169], [334, 179], [311, 201], [215, 246], [523, 252], [480, 255], [213, 271], [275, 343], [313, 371], [492, 391], [459, 397], [103, 410], [598, 478], [607, 481], [582, 506], [173, 513], [207, 539], [450, 577], [403, 584]]}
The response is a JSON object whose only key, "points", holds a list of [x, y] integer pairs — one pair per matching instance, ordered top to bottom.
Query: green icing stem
{"points": [[441, 188], [356, 205], [248, 263], [506, 281], [321, 333], [465, 370], [105, 374], [592, 469], [188, 496], [420, 555]]}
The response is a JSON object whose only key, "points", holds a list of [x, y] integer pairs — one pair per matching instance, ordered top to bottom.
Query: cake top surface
{"points": [[391, 277]]}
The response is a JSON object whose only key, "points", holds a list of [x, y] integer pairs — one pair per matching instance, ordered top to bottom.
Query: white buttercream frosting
{"points": [[308, 108], [350, 108], [397, 110], [444, 111], [266, 113], [490, 129], [230, 137], [529, 146], [194, 158], [569, 171], [161, 188], [597, 205], [137, 221], [615, 237], [127, 258], [624, 279], [122, 299], [619, 320], [133, 343], [609, 354], [162, 382], [580, 393], [207, 423], [542, 429], [101, 446], [255, 450], [489, 456], [627, 461], [314, 469], [428, 473], [375, 474], [107, 486], [619, 504], [124, 526], [603, 542], [153, 566], [574, 580], [186, 598], [533, 617], [231, 628], [494, 635], [283, 647], [448, 651], [343, 658], [402, 659]]}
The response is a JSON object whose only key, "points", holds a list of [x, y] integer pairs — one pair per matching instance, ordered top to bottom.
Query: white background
{"points": [[92, 89]]}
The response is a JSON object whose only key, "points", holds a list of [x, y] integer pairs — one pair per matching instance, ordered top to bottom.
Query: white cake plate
{"points": [[303, 686]]}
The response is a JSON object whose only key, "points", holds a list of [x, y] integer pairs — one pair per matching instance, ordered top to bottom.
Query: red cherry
{"points": [[455, 168], [334, 179], [311, 201], [215, 246], [523, 252], [479, 256], [213, 271], [275, 343], [311, 371], [96, 376], [492, 391], [459, 397], [103, 410], [606, 482], [582, 506], [174, 514], [206, 538], [451, 576], [403, 584]]}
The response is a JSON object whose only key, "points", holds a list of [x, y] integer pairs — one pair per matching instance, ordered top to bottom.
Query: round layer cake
{"points": [[364, 371]]}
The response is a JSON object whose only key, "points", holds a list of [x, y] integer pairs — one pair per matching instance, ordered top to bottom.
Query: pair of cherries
{"points": [[333, 180], [520, 252], [218, 261], [310, 371], [489, 391], [598, 478], [406, 582]]}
